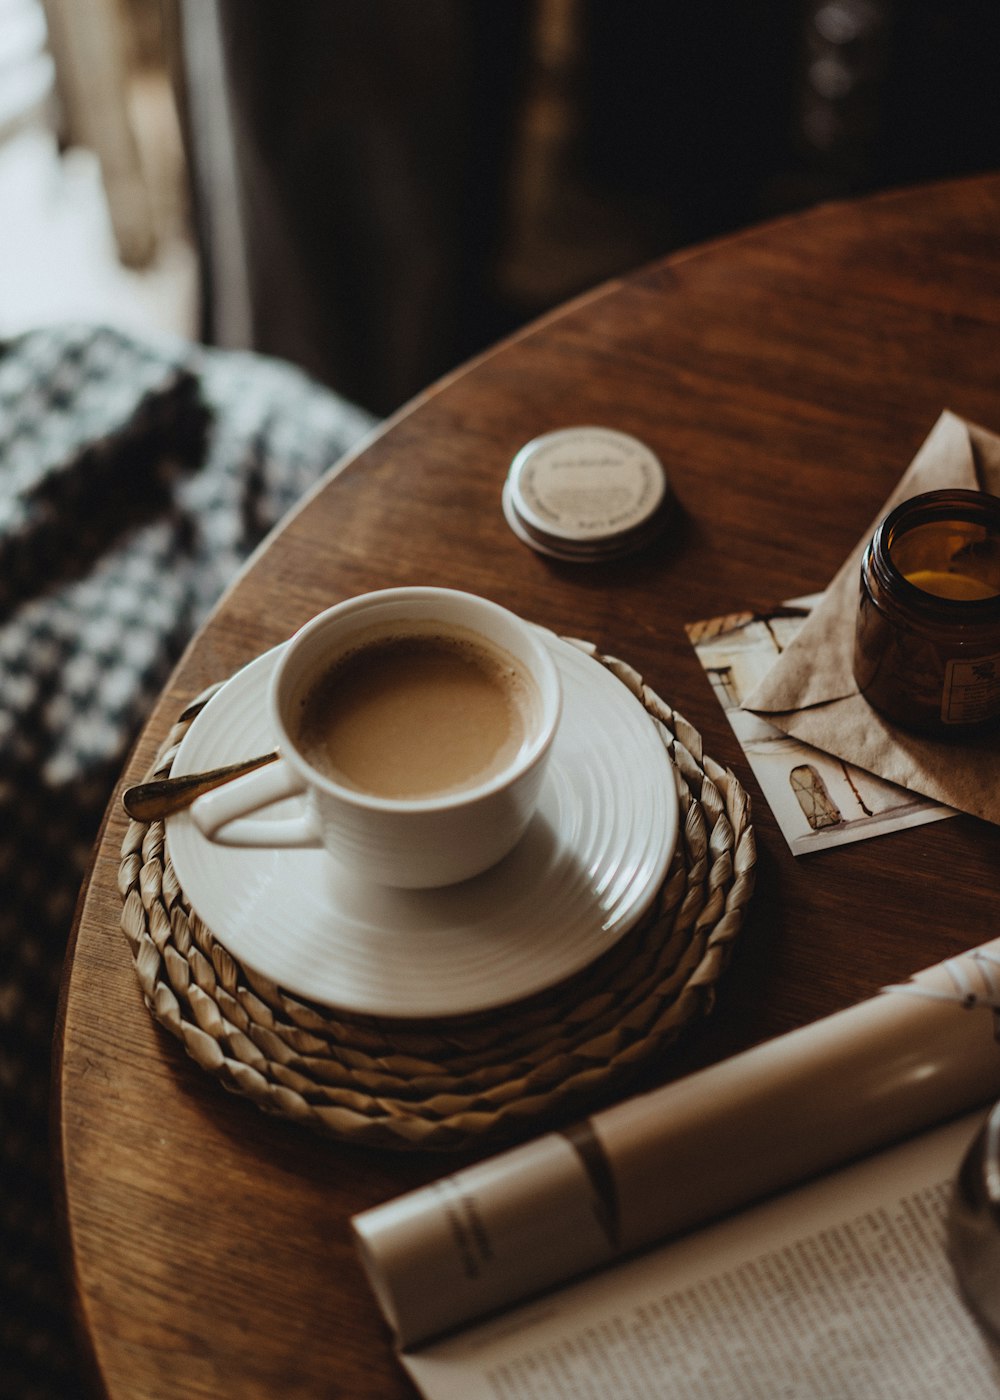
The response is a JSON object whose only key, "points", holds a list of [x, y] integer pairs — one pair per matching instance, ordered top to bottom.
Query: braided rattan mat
{"points": [[448, 1084]]}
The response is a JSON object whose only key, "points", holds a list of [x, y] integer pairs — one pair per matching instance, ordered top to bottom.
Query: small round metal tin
{"points": [[586, 494]]}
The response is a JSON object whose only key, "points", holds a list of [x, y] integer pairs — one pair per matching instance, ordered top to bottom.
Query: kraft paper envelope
{"points": [[810, 691]]}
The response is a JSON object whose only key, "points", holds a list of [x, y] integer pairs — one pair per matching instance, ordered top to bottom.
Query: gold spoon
{"points": [[160, 797]]}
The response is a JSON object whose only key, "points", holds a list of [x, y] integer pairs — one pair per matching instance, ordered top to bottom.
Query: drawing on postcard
{"points": [[817, 799]]}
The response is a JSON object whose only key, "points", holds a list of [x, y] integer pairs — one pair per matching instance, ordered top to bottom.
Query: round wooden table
{"points": [[785, 376]]}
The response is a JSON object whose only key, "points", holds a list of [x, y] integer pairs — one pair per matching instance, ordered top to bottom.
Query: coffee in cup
{"points": [[407, 714], [416, 724]]}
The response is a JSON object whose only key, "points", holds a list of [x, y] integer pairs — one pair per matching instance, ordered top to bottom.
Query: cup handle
{"points": [[216, 814]]}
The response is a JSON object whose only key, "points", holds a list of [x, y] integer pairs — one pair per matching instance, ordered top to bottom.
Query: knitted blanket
{"points": [[134, 479]]}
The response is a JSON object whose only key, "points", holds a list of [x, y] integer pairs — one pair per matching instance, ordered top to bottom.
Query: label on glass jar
{"points": [[971, 690]]}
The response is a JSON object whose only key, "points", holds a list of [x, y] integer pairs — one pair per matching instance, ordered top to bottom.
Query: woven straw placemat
{"points": [[449, 1084]]}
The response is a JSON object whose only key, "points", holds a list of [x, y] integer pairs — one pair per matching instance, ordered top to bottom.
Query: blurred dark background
{"points": [[400, 184], [376, 189]]}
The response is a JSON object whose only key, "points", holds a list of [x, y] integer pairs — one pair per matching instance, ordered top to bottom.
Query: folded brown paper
{"points": [[810, 691]]}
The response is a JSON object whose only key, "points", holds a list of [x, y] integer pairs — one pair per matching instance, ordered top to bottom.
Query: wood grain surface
{"points": [[785, 376]]}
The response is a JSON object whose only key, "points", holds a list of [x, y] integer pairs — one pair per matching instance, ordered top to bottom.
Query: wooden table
{"points": [[785, 376]]}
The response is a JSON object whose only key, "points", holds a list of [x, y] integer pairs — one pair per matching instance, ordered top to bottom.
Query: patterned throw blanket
{"points": [[134, 479]]}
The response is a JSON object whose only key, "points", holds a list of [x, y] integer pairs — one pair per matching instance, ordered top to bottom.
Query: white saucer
{"points": [[587, 870]]}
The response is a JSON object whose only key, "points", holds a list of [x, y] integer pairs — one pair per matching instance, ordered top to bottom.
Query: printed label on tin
{"points": [[586, 484], [971, 690]]}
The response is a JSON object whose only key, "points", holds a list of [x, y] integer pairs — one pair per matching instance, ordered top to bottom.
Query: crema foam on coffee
{"points": [[415, 716]]}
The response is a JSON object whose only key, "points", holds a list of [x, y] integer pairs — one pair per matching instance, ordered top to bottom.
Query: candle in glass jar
{"points": [[950, 585], [927, 645]]}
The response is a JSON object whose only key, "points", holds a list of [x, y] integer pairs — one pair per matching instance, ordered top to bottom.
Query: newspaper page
{"points": [[670, 1160], [840, 1288]]}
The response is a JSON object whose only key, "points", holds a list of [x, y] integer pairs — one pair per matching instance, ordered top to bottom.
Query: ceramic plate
{"points": [[586, 871]]}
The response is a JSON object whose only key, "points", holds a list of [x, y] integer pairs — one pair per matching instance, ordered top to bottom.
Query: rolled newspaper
{"points": [[673, 1158]]}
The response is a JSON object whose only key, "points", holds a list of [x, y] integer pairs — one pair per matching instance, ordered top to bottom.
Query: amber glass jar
{"points": [[927, 647]]}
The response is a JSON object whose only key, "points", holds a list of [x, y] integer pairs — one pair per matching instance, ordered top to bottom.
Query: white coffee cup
{"points": [[434, 839]]}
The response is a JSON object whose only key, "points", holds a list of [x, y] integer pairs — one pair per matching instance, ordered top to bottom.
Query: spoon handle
{"points": [[150, 801]]}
